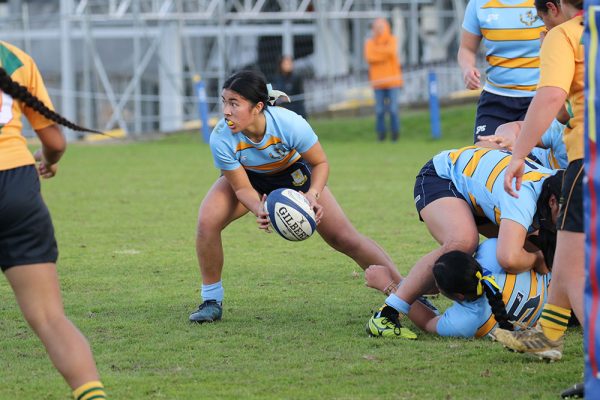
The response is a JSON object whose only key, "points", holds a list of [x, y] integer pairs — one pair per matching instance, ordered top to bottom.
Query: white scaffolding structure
{"points": [[129, 64]]}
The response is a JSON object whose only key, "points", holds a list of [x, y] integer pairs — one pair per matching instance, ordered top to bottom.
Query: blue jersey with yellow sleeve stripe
{"points": [[510, 31], [287, 136], [552, 139], [553, 155], [478, 174], [524, 296]]}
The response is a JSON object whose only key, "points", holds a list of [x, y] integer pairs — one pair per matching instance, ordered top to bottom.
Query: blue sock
{"points": [[214, 291], [397, 304]]}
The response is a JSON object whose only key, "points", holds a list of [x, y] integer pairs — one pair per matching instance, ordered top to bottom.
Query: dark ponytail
{"points": [[249, 84], [20, 93], [546, 238], [458, 272], [495, 301]]}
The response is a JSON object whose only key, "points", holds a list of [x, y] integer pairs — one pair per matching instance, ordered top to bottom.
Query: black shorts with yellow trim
{"points": [[296, 176], [570, 216], [26, 230]]}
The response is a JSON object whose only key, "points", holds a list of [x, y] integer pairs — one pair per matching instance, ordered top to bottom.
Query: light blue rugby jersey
{"points": [[510, 31], [287, 136], [554, 153], [478, 174], [523, 294]]}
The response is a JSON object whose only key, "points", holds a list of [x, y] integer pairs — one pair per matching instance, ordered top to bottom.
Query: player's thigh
{"points": [[220, 206], [443, 208], [570, 216], [450, 221], [334, 224], [37, 291]]}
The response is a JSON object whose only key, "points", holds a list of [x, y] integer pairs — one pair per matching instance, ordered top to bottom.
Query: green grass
{"points": [[295, 313]]}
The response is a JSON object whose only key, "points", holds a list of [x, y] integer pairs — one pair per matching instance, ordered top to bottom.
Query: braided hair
{"points": [[20, 93], [546, 238], [459, 272]]}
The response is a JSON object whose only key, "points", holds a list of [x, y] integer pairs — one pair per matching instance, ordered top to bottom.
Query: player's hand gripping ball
{"points": [[290, 214]]}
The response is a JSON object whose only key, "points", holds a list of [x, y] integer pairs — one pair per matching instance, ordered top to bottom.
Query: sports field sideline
{"points": [[295, 313]]}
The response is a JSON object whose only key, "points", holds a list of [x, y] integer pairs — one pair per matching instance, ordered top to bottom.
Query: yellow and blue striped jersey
{"points": [[510, 31], [287, 136], [554, 153], [478, 174], [524, 296]]}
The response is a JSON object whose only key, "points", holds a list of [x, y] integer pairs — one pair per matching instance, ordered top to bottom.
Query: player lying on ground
{"points": [[459, 194], [484, 295]]}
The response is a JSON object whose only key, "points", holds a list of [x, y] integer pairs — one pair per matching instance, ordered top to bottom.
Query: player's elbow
{"points": [[52, 139], [510, 261]]}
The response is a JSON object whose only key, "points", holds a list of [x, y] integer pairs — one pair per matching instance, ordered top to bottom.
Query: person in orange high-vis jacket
{"points": [[385, 74]]}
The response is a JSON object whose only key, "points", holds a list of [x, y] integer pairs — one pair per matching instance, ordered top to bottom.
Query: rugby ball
{"points": [[290, 214]]}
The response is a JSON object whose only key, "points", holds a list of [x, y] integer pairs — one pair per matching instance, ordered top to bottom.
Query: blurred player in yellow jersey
{"points": [[561, 80], [28, 250]]}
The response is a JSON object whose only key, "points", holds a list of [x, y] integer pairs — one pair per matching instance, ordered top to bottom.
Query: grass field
{"points": [[295, 313]]}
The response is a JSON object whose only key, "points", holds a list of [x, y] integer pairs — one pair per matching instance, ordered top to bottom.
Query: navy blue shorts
{"points": [[494, 110], [296, 176], [429, 187], [570, 216], [26, 231]]}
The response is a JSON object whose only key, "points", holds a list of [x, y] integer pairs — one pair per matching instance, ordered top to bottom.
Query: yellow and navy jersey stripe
{"points": [[510, 31], [22, 69], [287, 136], [552, 140], [478, 174], [524, 296]]}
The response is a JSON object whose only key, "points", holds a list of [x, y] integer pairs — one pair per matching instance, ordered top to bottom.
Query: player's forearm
{"points": [[466, 58], [54, 143], [318, 178], [249, 198]]}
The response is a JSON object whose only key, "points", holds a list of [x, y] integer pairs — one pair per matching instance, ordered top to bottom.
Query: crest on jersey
{"points": [[529, 18], [279, 152], [298, 178]]}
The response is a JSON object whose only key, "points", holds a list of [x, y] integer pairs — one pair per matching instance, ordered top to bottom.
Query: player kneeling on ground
{"points": [[459, 194]]}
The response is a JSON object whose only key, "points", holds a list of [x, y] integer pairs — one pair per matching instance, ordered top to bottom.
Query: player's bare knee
{"points": [[207, 226], [344, 243], [465, 244], [40, 320]]}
